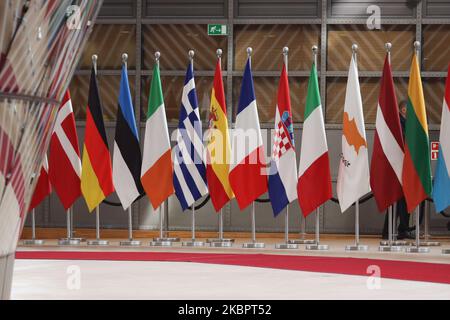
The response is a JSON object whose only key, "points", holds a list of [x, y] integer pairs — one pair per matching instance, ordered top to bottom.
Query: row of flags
{"points": [[235, 167]]}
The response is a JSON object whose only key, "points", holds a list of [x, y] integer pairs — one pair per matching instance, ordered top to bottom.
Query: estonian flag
{"points": [[127, 153]]}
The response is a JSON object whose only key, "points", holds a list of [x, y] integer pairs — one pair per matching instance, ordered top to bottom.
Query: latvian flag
{"points": [[127, 152], [388, 153], [64, 160], [157, 167], [283, 167], [96, 171], [248, 175], [189, 177]]}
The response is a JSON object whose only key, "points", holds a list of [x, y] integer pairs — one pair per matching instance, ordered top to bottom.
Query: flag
{"points": [[218, 148], [388, 152], [127, 159], [64, 160], [283, 165], [157, 167], [96, 171], [416, 174], [353, 176], [248, 177], [189, 178], [314, 178], [43, 187], [441, 188]]}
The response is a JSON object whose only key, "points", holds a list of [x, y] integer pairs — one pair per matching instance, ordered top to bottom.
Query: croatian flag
{"points": [[283, 166], [248, 177], [189, 178], [441, 188]]}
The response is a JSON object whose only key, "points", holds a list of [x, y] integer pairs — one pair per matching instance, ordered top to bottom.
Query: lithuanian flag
{"points": [[218, 149], [96, 171], [416, 174]]}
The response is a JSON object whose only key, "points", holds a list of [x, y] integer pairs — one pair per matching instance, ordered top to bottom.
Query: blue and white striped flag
{"points": [[189, 177]]}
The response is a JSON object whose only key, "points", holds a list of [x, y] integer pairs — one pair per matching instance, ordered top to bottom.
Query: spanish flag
{"points": [[218, 149], [96, 172], [416, 174]]}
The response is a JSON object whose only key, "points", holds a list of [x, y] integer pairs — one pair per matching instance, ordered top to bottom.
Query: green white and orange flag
{"points": [[218, 149], [416, 165], [157, 167]]}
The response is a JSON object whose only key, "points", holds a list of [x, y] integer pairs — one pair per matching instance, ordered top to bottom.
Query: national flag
{"points": [[388, 147], [218, 148], [64, 160], [127, 160], [283, 165], [157, 167], [96, 171], [416, 174], [248, 176], [353, 176], [189, 178], [314, 178], [43, 186], [441, 187]]}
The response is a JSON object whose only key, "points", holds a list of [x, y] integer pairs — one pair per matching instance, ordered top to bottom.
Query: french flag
{"points": [[283, 166], [248, 177]]}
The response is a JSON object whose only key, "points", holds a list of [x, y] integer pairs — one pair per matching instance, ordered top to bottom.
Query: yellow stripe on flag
{"points": [[415, 93], [90, 187]]}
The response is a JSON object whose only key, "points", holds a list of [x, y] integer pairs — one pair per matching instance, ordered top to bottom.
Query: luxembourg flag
{"points": [[283, 166], [248, 177], [441, 188]]}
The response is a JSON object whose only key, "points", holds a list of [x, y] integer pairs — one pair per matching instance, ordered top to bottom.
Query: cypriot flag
{"points": [[353, 177]]}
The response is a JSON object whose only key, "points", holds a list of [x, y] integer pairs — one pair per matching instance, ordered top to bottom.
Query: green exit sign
{"points": [[217, 30]]}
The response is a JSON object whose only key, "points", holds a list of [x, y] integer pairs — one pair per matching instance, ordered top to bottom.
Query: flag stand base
{"points": [[166, 239], [219, 240], [302, 241], [33, 242], [69, 242], [98, 242], [130, 243], [160, 243], [193, 243], [385, 243], [221, 244], [430, 244], [254, 245], [286, 246], [317, 247], [356, 247], [388, 248], [417, 250], [445, 251]]}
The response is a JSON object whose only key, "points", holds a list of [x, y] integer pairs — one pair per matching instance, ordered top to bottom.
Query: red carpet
{"points": [[402, 270]]}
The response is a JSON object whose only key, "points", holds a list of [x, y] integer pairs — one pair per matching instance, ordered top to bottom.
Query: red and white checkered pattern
{"points": [[281, 142]]}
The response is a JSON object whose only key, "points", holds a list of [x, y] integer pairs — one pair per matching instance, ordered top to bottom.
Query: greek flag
{"points": [[189, 178]]}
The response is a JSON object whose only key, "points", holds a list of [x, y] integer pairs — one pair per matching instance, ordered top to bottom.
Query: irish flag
{"points": [[218, 149], [416, 165], [157, 168], [314, 179]]}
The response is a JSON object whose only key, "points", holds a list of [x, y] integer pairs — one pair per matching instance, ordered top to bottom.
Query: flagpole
{"points": [[426, 217], [302, 239], [33, 241], [68, 241], [97, 241], [193, 242], [220, 242], [253, 244], [286, 244], [357, 246], [417, 248]]}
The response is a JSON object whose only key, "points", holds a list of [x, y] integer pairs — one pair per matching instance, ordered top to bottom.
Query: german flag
{"points": [[96, 173]]}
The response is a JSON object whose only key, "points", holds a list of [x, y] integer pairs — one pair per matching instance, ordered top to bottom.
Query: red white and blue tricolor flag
{"points": [[283, 166], [248, 176], [189, 179], [441, 187]]}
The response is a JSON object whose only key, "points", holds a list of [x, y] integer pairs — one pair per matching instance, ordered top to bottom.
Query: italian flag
{"points": [[416, 165], [157, 168], [314, 182]]}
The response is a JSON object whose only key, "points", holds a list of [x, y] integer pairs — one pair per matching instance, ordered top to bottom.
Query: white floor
{"points": [[54, 279]]}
